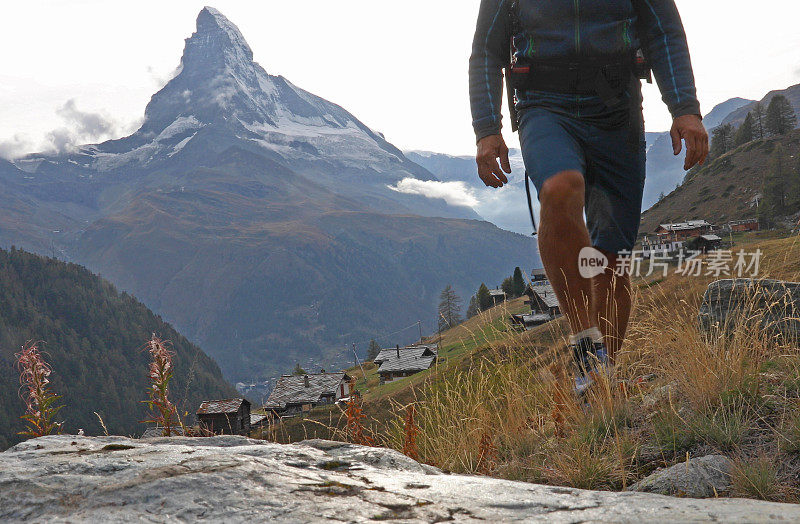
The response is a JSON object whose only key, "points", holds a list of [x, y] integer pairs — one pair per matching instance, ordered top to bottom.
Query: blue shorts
{"points": [[561, 132]]}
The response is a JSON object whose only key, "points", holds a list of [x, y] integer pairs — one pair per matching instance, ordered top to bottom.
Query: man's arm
{"points": [[663, 39], [664, 42], [490, 52]]}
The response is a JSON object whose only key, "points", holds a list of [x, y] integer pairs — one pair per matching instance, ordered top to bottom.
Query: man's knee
{"points": [[563, 191], [617, 266]]}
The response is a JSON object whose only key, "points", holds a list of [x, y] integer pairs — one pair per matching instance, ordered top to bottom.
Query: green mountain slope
{"points": [[722, 189], [265, 269], [93, 336]]}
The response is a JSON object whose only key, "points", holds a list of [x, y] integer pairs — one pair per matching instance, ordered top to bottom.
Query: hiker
{"points": [[576, 70]]}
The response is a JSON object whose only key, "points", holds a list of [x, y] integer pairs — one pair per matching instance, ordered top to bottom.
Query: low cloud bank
{"points": [[82, 127], [454, 193]]}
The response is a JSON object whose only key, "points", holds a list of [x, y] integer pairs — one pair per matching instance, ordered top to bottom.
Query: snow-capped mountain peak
{"points": [[220, 99]]}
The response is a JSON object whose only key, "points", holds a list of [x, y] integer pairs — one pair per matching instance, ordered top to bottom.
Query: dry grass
{"points": [[729, 392], [502, 402]]}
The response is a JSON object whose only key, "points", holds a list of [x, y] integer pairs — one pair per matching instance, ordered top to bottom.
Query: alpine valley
{"points": [[262, 221]]}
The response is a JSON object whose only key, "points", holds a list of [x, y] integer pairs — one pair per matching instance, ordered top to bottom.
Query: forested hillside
{"points": [[753, 171], [93, 336]]}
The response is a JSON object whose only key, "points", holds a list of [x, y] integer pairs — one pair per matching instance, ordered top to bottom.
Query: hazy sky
{"points": [[401, 67]]}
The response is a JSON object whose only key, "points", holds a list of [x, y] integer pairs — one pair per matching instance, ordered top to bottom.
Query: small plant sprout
{"points": [[40, 402], [164, 414], [355, 419], [410, 432]]}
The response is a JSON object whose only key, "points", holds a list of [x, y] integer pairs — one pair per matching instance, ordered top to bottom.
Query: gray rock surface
{"points": [[729, 301], [701, 477], [233, 479]]}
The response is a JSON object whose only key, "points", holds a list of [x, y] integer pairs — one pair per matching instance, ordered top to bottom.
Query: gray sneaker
{"points": [[590, 358]]}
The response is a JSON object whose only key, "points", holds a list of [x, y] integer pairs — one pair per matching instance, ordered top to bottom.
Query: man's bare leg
{"points": [[562, 236], [611, 305]]}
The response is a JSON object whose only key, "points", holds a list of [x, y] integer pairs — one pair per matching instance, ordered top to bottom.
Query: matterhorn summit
{"points": [[219, 99]]}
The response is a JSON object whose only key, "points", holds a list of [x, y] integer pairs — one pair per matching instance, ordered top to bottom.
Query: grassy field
{"points": [[500, 401]]}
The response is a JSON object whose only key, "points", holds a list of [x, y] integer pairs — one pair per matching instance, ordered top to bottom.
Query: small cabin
{"points": [[739, 226], [683, 230], [705, 243], [538, 276], [498, 296], [542, 300], [528, 322], [400, 363], [295, 394], [225, 417]]}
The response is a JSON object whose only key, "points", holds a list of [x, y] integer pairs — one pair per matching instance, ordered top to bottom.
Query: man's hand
{"points": [[690, 129], [491, 148]]}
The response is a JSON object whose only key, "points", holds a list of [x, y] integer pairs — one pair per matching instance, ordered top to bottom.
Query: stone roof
{"points": [[710, 238], [546, 293], [388, 353], [414, 358], [292, 389], [217, 407]]}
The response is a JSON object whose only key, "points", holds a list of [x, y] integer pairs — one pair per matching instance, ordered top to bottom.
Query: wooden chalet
{"points": [[738, 226], [683, 230], [705, 243], [538, 276], [498, 296], [542, 300], [528, 322], [386, 354], [399, 363], [294, 394], [225, 417], [259, 421]]}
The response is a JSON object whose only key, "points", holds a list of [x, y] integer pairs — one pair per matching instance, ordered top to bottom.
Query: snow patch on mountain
{"points": [[180, 145]]}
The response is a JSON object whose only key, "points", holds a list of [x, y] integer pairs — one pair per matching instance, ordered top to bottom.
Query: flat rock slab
{"points": [[233, 479]]}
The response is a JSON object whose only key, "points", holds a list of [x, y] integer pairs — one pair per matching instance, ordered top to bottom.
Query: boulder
{"points": [[776, 305], [703, 477], [234, 479]]}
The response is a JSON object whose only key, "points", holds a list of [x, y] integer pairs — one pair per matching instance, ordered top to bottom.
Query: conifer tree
{"points": [[780, 116], [759, 129], [746, 131], [721, 140], [793, 187], [773, 203], [519, 282], [508, 287], [484, 298], [449, 308], [473, 309], [373, 350], [298, 370]]}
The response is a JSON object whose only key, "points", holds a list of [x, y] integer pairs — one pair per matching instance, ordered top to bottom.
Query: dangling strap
{"points": [[530, 202]]}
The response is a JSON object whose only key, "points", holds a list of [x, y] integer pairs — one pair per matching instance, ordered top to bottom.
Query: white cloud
{"points": [[82, 126], [16, 147], [454, 193]]}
